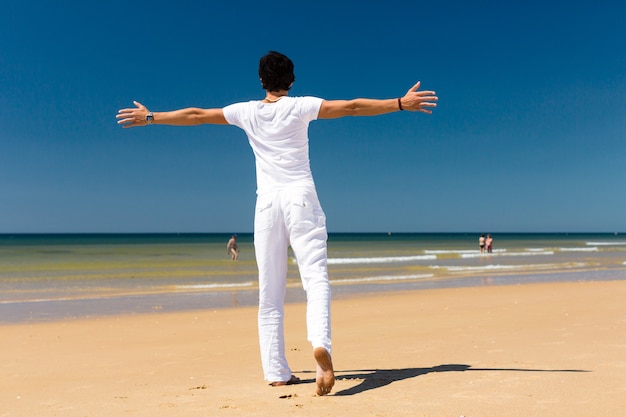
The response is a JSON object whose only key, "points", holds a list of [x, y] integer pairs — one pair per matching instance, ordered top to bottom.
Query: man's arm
{"points": [[413, 100], [191, 116]]}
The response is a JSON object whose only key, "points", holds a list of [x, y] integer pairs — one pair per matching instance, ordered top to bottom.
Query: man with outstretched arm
{"points": [[288, 212]]}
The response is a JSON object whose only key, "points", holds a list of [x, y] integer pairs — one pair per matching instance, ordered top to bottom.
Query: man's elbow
{"points": [[351, 108]]}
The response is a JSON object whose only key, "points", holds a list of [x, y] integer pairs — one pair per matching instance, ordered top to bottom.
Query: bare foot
{"points": [[325, 377], [293, 380]]}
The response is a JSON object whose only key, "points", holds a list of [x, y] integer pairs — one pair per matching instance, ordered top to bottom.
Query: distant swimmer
{"points": [[481, 243], [489, 243], [232, 248]]}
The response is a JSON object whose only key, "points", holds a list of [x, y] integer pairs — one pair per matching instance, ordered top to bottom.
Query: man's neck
{"points": [[274, 96]]}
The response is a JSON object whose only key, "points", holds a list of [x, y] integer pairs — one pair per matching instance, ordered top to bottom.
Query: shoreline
{"points": [[48, 278], [101, 305], [489, 351]]}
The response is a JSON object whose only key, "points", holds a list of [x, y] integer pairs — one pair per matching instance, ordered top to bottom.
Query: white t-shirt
{"points": [[278, 134]]}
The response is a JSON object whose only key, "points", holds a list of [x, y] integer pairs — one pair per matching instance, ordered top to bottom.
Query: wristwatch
{"points": [[149, 118]]}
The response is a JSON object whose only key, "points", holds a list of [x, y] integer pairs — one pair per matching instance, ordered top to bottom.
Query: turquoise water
{"points": [[52, 276]]}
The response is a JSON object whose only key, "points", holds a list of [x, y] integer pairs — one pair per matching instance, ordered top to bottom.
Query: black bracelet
{"points": [[400, 104]]}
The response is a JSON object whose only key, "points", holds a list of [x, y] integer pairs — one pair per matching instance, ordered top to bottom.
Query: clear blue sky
{"points": [[529, 134]]}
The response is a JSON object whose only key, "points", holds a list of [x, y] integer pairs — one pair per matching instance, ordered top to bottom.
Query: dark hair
{"points": [[276, 71]]}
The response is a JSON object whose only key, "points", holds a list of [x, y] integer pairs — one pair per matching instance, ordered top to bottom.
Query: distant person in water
{"points": [[288, 212], [481, 243], [489, 243], [232, 247]]}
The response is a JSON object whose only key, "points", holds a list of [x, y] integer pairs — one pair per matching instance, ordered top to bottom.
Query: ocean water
{"points": [[46, 277]]}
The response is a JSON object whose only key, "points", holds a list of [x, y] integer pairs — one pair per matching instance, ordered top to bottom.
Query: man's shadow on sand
{"points": [[376, 378]]}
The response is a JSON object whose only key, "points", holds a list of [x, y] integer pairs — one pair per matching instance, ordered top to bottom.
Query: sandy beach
{"points": [[553, 349]]}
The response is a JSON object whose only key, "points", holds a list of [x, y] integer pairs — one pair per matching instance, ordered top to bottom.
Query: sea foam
{"points": [[618, 243], [529, 252], [380, 260], [497, 267], [380, 278], [214, 286]]}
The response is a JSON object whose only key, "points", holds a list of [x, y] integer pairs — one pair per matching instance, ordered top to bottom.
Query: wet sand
{"points": [[541, 349]]}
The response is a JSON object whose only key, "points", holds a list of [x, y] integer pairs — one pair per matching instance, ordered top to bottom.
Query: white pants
{"points": [[290, 217]]}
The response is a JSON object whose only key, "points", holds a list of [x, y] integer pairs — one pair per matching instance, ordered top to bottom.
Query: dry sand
{"points": [[524, 350]]}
